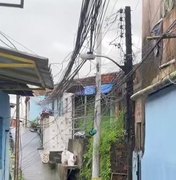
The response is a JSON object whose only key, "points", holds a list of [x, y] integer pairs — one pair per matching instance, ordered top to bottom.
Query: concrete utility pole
{"points": [[129, 91], [129, 117], [97, 118], [16, 169]]}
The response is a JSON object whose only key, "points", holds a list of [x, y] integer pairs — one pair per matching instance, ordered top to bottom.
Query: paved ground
{"points": [[32, 167]]}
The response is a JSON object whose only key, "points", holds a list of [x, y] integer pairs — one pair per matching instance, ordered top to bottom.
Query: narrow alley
{"points": [[87, 89], [32, 166]]}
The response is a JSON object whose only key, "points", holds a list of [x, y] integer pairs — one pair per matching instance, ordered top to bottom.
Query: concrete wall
{"points": [[152, 12], [169, 51], [63, 106], [5, 115], [63, 120], [139, 124], [57, 129], [56, 133], [78, 148], [159, 160], [119, 161]]}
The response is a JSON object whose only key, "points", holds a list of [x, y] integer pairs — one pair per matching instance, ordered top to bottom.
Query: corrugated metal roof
{"points": [[17, 69], [11, 87]]}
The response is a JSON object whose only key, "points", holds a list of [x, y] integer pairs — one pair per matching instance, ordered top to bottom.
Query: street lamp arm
{"points": [[90, 56], [103, 56]]}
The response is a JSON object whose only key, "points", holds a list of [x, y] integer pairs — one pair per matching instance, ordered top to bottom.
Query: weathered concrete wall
{"points": [[152, 13], [169, 45], [34, 108], [139, 123], [77, 147], [119, 161], [62, 172]]}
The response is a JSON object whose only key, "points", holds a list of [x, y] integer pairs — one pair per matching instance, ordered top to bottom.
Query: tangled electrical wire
{"points": [[90, 12]]}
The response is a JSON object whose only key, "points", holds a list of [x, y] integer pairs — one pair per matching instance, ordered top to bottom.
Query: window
{"points": [[157, 31]]}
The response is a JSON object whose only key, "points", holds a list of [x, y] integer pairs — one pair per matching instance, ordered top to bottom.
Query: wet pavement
{"points": [[32, 167]]}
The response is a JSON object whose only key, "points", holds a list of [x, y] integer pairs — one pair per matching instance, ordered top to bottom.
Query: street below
{"points": [[32, 167]]}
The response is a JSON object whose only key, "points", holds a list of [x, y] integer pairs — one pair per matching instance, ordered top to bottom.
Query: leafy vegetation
{"points": [[35, 123], [112, 131]]}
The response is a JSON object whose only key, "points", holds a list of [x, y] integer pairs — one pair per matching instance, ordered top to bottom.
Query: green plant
{"points": [[34, 123], [112, 131], [87, 162], [21, 177]]}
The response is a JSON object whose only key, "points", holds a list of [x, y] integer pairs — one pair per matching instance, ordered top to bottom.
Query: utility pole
{"points": [[129, 91], [97, 115], [16, 169]]}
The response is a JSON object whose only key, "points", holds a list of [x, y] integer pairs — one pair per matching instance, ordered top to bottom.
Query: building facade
{"points": [[18, 71], [153, 103], [33, 109], [70, 113], [56, 127], [4, 135], [159, 160]]}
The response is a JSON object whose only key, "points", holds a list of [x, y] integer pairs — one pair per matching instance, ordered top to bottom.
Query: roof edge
{"points": [[155, 87]]}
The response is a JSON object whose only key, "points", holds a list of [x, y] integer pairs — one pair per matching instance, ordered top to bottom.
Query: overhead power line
{"points": [[89, 10]]}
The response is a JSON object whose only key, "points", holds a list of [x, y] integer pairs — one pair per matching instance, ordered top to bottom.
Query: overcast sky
{"points": [[48, 27]]}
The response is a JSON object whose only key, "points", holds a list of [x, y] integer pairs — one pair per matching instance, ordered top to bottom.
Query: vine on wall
{"points": [[112, 131]]}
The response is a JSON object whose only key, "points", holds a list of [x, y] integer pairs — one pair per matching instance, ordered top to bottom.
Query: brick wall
{"points": [[119, 161]]}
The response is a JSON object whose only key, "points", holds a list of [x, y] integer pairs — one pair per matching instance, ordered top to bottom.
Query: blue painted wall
{"points": [[35, 108], [5, 118], [159, 160]]}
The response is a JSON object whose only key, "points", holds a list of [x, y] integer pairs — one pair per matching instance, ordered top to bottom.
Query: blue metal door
{"points": [[159, 159]]}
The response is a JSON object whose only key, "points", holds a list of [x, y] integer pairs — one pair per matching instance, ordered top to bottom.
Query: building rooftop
{"points": [[20, 72]]}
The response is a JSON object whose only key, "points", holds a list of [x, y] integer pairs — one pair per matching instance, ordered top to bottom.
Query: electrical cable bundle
{"points": [[88, 18]]}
